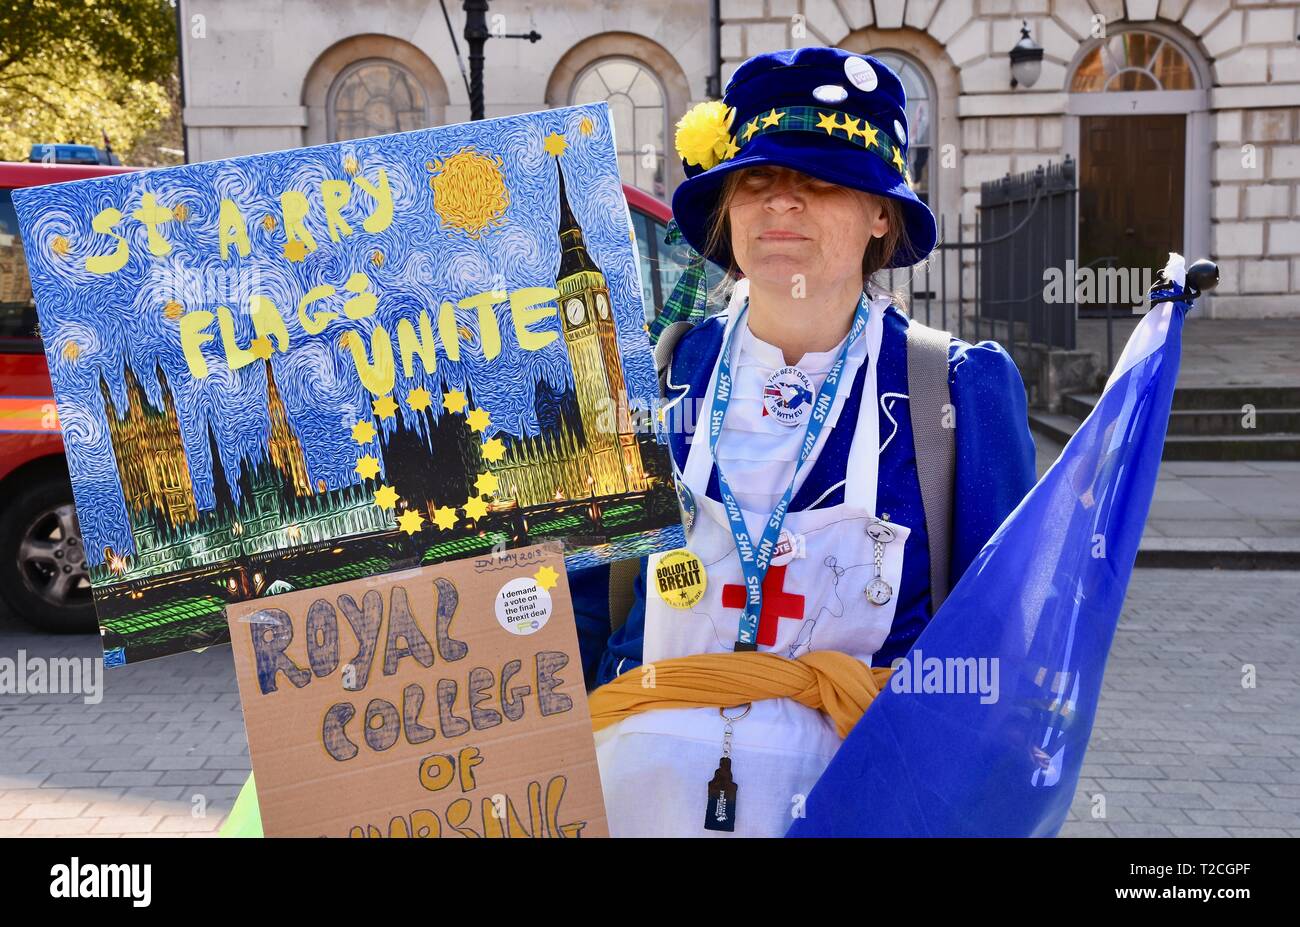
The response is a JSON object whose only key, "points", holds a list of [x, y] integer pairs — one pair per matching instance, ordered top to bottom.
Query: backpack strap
{"points": [[928, 399], [622, 582]]}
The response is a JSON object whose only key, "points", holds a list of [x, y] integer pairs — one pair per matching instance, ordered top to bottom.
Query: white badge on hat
{"points": [[860, 74], [830, 94], [900, 133], [788, 396]]}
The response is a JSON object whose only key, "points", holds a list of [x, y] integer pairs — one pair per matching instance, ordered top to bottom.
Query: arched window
{"points": [[1133, 61], [375, 97], [636, 106], [921, 109]]}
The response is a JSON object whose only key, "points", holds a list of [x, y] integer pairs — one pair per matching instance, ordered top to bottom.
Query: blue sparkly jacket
{"points": [[994, 470]]}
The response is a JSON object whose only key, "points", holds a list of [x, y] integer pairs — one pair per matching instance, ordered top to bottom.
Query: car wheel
{"points": [[42, 563]]}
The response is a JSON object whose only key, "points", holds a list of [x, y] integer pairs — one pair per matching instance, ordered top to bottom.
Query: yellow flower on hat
{"points": [[704, 133]]}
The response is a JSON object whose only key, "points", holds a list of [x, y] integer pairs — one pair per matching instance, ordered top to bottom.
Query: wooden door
{"points": [[1131, 189]]}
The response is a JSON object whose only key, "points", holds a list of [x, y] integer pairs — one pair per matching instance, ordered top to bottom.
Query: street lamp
{"points": [[476, 34], [1026, 59]]}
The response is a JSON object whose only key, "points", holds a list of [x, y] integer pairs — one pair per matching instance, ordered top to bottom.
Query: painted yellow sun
{"points": [[469, 191], [181, 212], [59, 245], [173, 310], [71, 351]]}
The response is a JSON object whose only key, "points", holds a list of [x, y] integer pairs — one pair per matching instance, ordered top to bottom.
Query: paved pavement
{"points": [[1217, 352], [1243, 507], [1179, 747]]}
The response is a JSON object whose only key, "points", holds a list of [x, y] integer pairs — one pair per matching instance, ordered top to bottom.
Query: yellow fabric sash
{"points": [[829, 681]]}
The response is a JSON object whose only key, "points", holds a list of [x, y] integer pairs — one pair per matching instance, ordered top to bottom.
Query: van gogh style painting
{"points": [[288, 370]]}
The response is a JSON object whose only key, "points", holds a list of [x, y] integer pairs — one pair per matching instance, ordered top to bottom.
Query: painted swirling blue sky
{"points": [[119, 319]]}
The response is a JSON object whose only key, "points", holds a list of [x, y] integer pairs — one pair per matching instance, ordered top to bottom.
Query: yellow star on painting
{"points": [[773, 118], [827, 121], [586, 127], [750, 128], [869, 133], [554, 144], [731, 149], [898, 160], [295, 250], [261, 347], [419, 399], [454, 401], [384, 407], [479, 420], [363, 432], [493, 450], [367, 467], [487, 483], [386, 497], [475, 508], [444, 517], [410, 521], [546, 577]]}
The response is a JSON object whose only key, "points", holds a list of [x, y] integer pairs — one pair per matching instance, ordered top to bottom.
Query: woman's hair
{"points": [[880, 251]]}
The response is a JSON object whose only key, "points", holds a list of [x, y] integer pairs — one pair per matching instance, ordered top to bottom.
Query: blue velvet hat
{"points": [[834, 114]]}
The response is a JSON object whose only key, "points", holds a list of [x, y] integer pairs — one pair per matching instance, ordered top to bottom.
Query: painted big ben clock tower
{"points": [[591, 337]]}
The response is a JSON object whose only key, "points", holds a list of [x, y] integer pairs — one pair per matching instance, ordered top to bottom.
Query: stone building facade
{"points": [[1210, 88]]}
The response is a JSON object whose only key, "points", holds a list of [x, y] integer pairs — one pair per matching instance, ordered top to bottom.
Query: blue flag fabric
{"points": [[983, 727]]}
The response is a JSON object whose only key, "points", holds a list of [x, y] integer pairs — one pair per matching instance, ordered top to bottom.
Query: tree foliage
{"points": [[76, 70]]}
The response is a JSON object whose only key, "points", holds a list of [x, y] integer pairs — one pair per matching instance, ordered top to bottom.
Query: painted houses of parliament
{"points": [[583, 449], [603, 457], [278, 507]]}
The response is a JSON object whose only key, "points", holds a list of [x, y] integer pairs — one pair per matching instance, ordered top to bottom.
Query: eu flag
{"points": [[983, 727]]}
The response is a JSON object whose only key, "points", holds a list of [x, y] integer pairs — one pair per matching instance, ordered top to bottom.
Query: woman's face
{"points": [[786, 223]]}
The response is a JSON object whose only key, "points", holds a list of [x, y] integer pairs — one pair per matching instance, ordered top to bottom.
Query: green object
{"points": [[689, 299], [246, 817]]}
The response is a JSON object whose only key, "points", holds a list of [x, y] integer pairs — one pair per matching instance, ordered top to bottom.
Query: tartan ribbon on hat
{"points": [[835, 123], [705, 138], [689, 299]]}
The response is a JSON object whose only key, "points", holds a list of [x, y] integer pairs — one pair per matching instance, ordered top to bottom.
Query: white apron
{"points": [[655, 767]]}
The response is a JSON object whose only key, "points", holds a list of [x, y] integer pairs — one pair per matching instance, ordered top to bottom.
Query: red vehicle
{"points": [[42, 567]]}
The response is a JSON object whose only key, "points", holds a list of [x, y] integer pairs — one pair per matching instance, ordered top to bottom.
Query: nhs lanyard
{"points": [[754, 561]]}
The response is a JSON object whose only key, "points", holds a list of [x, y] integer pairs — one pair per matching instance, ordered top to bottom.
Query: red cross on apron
{"points": [[777, 603]]}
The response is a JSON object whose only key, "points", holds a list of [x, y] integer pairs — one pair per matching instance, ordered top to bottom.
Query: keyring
{"points": [[723, 712]]}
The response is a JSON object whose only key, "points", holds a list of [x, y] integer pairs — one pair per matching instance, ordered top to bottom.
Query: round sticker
{"points": [[860, 74], [830, 93], [900, 133], [788, 396], [687, 500], [786, 548], [680, 578], [523, 606]]}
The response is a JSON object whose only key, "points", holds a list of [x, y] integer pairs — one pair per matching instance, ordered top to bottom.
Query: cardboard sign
{"points": [[293, 369], [446, 701]]}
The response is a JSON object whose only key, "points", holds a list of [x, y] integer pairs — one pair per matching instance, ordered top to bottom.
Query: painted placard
{"points": [[289, 370]]}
